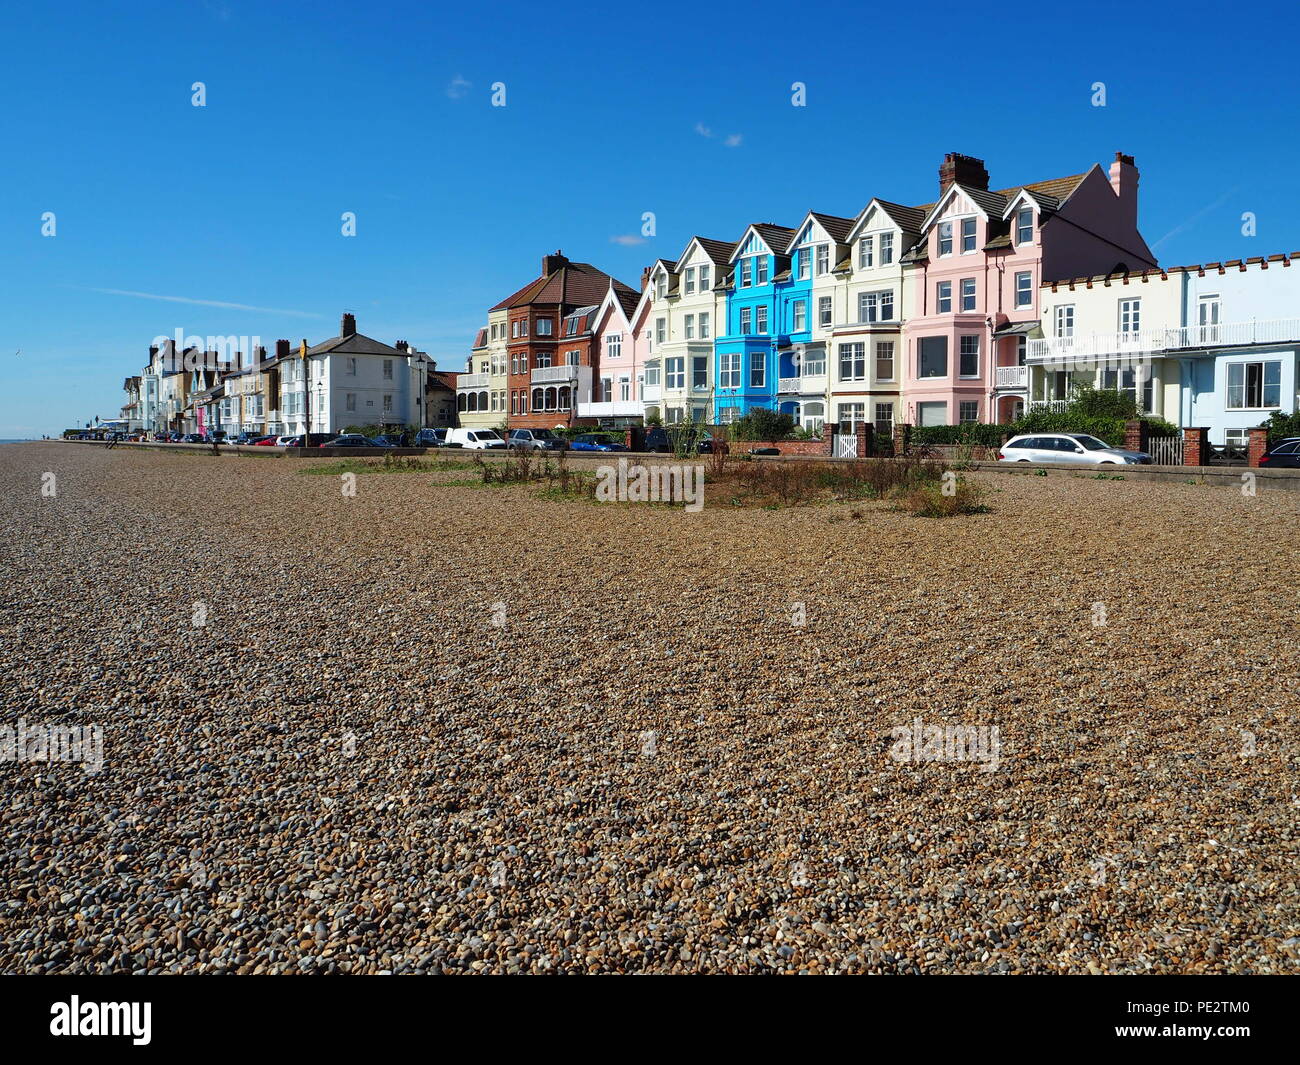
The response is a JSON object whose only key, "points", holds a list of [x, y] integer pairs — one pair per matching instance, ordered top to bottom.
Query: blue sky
{"points": [[314, 109]]}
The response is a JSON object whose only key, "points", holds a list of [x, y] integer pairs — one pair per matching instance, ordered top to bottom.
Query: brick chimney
{"points": [[963, 170], [1124, 180], [551, 263], [645, 277], [348, 328], [402, 345], [281, 349]]}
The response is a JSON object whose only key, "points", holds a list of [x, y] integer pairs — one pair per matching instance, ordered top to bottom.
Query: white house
{"points": [[354, 380]]}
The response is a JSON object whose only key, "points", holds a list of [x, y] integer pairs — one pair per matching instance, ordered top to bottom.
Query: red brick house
{"points": [[553, 361]]}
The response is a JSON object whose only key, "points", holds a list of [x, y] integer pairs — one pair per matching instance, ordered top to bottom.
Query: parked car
{"points": [[220, 436], [194, 438], [244, 438], [431, 438], [475, 439], [656, 439], [349, 440], [386, 440], [534, 440], [265, 441], [595, 442], [705, 446], [1075, 448], [1285, 456]]}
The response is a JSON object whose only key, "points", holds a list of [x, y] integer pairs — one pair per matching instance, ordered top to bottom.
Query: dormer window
{"points": [[1024, 226], [967, 235], [945, 238], [886, 248], [866, 253], [802, 256], [823, 259], [762, 269], [746, 272], [704, 279], [690, 281], [661, 287], [571, 327]]}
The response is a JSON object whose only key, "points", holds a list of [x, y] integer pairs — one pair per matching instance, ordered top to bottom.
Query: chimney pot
{"points": [[349, 325], [281, 349]]}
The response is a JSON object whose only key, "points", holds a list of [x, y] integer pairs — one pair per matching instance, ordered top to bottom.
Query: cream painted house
{"points": [[687, 306], [1097, 332], [865, 367]]}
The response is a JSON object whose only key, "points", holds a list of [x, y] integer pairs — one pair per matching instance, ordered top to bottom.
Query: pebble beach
{"points": [[437, 727]]}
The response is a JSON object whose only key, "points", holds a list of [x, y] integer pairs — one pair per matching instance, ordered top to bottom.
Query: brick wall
{"points": [[1256, 446], [1196, 447]]}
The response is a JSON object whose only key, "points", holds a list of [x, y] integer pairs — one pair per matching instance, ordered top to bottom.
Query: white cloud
{"points": [[459, 88], [703, 130], [733, 141], [627, 239], [203, 303]]}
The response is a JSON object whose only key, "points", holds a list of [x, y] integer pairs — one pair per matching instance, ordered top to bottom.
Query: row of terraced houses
{"points": [[970, 308]]}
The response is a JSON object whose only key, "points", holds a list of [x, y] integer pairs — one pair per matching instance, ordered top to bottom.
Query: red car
{"points": [[266, 441]]}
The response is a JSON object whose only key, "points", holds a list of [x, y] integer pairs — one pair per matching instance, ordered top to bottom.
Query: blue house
{"points": [[759, 305]]}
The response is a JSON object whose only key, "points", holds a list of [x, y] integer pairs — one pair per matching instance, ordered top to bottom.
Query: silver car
{"points": [[1077, 448]]}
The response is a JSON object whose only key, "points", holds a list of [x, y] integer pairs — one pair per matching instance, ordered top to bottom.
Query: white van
{"points": [[475, 439]]}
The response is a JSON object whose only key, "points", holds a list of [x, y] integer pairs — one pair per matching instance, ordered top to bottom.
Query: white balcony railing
{"points": [[1149, 341], [549, 375], [1011, 376], [472, 380], [812, 383], [650, 393], [617, 408]]}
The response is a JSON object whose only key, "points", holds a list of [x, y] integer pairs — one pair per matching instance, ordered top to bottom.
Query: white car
{"points": [[475, 439], [282, 441], [1075, 448]]}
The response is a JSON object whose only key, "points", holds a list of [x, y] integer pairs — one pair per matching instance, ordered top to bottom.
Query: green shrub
{"points": [[759, 423], [1281, 425], [976, 433]]}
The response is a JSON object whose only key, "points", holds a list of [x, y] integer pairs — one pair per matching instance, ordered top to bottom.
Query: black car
{"points": [[194, 438], [349, 440], [386, 440], [656, 440], [1286, 456]]}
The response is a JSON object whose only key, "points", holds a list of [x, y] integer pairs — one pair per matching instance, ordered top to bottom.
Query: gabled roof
{"points": [[909, 220], [834, 226], [717, 250], [480, 339]]}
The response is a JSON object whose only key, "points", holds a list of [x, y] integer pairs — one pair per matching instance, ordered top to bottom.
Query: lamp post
{"points": [[306, 394]]}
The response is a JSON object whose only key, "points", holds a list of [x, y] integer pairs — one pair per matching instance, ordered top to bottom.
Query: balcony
{"points": [[1145, 342], [551, 375], [1011, 377], [472, 380], [807, 384], [650, 393], [618, 408]]}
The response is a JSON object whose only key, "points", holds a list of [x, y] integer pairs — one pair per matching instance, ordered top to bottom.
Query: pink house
{"points": [[974, 278], [620, 345]]}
